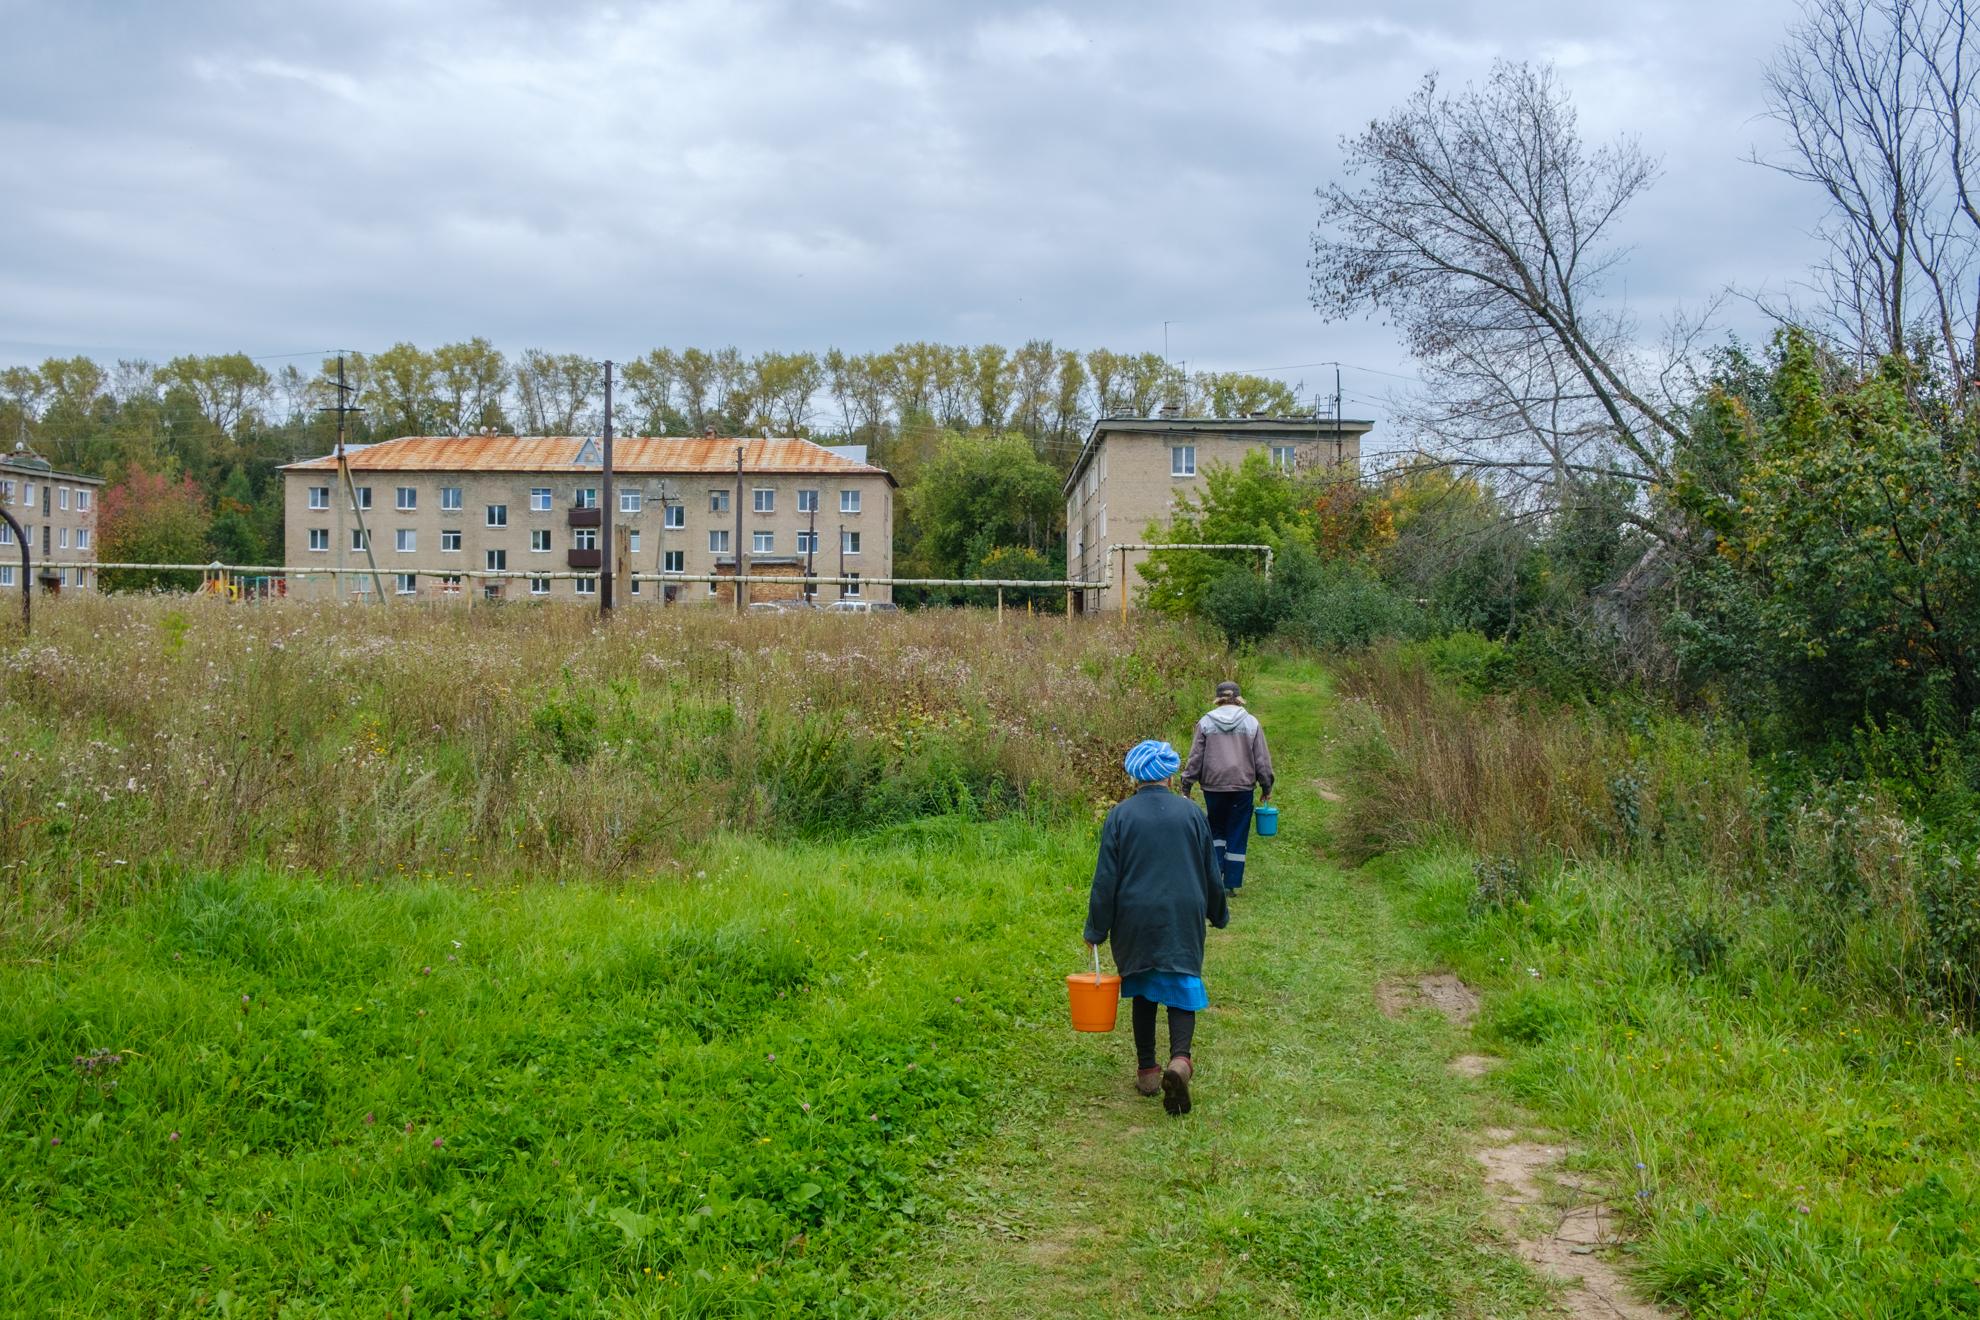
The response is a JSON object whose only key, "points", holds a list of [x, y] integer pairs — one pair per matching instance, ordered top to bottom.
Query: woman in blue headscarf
{"points": [[1154, 886]]}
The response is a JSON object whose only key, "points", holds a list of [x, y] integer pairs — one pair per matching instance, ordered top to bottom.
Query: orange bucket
{"points": [[1096, 999]]}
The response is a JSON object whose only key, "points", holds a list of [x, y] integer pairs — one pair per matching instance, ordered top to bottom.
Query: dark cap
{"points": [[1228, 689]]}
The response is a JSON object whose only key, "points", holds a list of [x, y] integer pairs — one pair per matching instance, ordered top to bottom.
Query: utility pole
{"points": [[343, 409], [1337, 416], [605, 519], [739, 549], [811, 559], [842, 561]]}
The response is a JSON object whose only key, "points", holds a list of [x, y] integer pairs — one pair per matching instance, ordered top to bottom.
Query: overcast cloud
{"points": [[605, 179]]}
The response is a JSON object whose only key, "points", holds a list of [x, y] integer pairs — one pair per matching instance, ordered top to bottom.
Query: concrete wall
{"points": [[1127, 484], [314, 573]]}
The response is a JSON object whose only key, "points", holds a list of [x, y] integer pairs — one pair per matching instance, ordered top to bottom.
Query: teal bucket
{"points": [[1266, 818]]}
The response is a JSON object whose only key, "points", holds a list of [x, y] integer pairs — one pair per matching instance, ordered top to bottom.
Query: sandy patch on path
{"points": [[1442, 991], [1561, 1230]]}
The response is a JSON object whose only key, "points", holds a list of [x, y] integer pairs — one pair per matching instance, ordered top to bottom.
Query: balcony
{"points": [[587, 518], [585, 558]]}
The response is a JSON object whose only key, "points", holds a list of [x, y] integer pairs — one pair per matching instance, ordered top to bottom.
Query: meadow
{"points": [[387, 962]]}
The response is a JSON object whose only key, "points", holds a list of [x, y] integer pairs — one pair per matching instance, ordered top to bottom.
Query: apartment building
{"points": [[1132, 469], [437, 507], [57, 510]]}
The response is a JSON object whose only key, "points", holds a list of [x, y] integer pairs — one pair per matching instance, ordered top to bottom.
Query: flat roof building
{"points": [[1131, 470], [439, 507]]}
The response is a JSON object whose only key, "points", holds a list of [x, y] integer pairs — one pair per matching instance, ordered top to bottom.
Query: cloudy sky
{"points": [[285, 178]]}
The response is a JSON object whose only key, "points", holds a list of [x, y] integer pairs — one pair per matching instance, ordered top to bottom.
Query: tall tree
{"points": [[469, 380], [650, 387], [401, 392], [558, 393], [150, 518]]}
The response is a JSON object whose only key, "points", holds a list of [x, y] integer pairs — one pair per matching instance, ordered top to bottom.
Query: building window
{"points": [[1283, 457], [1182, 460], [7, 493], [27, 493], [62, 497], [319, 497], [364, 497], [587, 497], [408, 498], [450, 498], [82, 499], [539, 499], [763, 499], [629, 501], [718, 501], [807, 501], [848, 501], [498, 515], [677, 515], [1103, 522], [82, 536], [44, 538], [319, 538], [360, 538], [584, 538], [62, 539], [407, 540], [450, 540], [539, 541], [849, 542], [632, 543], [718, 543], [762, 543], [807, 543], [495, 561], [675, 561], [6, 575], [408, 583], [450, 583], [539, 586], [587, 586], [635, 586], [852, 586], [711, 588], [491, 591]]}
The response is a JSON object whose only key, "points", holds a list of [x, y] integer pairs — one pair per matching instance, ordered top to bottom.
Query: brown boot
{"points": [[1148, 1081], [1175, 1084]]}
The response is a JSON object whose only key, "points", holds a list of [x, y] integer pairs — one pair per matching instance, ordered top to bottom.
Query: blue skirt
{"points": [[1171, 989]]}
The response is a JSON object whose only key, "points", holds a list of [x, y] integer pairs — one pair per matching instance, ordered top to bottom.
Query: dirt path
{"points": [[1336, 1163]]}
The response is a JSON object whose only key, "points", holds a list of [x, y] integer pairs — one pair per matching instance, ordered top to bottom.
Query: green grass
{"points": [[716, 1095], [1783, 1153], [1327, 1169]]}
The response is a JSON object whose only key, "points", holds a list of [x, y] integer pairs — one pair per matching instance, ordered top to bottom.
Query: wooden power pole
{"points": [[605, 547]]}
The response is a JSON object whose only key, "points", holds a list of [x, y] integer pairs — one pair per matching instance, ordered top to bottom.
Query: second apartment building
{"points": [[438, 507]]}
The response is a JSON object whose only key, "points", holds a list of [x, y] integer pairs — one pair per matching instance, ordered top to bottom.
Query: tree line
{"points": [[195, 443]]}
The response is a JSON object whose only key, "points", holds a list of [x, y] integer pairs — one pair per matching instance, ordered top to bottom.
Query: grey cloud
{"points": [[608, 178]]}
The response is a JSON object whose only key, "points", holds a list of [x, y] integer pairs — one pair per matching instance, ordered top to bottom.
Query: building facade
{"points": [[1132, 469], [438, 508], [57, 510]]}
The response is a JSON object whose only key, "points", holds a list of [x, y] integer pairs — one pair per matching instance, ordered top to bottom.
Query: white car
{"points": [[861, 607]]}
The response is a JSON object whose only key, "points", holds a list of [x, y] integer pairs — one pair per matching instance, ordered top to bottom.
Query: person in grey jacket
{"points": [[1228, 756], [1155, 885]]}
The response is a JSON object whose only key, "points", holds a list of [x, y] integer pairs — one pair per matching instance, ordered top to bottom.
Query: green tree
{"points": [[979, 493], [1251, 504]]}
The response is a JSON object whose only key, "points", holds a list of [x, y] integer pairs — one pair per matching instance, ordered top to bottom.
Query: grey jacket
{"points": [[1227, 754], [1155, 883]]}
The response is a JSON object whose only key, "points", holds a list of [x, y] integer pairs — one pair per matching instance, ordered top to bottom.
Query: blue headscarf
{"points": [[1151, 761]]}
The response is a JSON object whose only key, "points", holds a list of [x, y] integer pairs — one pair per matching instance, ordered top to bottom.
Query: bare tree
{"points": [[1878, 101], [1480, 223]]}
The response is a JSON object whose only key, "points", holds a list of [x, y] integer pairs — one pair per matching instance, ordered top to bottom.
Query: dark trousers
{"points": [[1230, 828], [1182, 1031]]}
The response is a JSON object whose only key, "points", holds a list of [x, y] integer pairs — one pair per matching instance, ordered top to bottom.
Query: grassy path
{"points": [[1328, 1167]]}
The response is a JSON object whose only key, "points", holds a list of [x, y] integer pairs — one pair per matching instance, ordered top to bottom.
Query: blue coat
{"points": [[1155, 884]]}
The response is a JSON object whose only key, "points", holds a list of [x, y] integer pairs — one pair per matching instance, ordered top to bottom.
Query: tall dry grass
{"points": [[148, 734], [1688, 822]]}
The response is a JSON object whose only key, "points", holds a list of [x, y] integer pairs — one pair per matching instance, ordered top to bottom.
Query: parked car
{"points": [[862, 607]]}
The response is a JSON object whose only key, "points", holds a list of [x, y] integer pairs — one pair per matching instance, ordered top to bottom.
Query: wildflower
{"points": [[426, 970], [771, 1058], [805, 1106], [369, 1120], [408, 1129], [173, 1137], [54, 1141], [438, 1142], [1639, 1164]]}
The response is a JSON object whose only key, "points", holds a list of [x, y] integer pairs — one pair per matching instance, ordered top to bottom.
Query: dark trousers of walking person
{"points": [[1230, 827], [1182, 1031]]}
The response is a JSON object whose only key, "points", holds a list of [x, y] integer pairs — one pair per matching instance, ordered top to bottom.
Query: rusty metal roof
{"points": [[631, 455]]}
